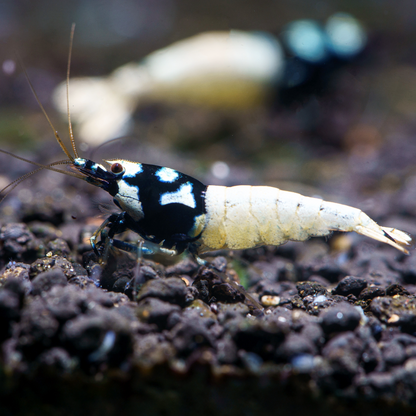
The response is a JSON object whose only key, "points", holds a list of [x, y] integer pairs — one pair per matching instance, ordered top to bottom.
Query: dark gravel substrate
{"points": [[337, 333]]}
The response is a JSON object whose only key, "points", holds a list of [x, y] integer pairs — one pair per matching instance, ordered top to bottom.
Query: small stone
{"points": [[18, 242], [58, 247], [47, 263], [186, 266], [16, 271], [331, 271], [46, 280], [185, 280], [121, 284], [350, 285], [20, 287], [211, 288], [310, 288], [396, 289], [172, 290], [226, 292], [371, 292], [270, 300], [65, 302], [296, 302], [202, 308], [397, 310], [155, 311], [231, 311], [9, 312], [342, 317], [393, 319], [37, 327], [192, 332], [314, 333], [103, 334], [406, 339], [294, 345], [152, 349], [344, 352], [393, 353], [371, 358], [410, 364]]}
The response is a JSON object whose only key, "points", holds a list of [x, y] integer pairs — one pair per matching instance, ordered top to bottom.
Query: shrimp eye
{"points": [[116, 168]]}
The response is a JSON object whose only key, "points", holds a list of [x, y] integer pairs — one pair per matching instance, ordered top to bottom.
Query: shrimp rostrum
{"points": [[173, 212]]}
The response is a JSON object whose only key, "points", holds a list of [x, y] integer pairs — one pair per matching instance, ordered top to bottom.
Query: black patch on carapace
{"points": [[112, 188], [171, 223]]}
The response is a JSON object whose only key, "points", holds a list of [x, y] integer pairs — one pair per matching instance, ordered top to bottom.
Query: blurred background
{"points": [[346, 132]]}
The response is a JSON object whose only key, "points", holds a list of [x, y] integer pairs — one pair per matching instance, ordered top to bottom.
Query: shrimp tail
{"points": [[393, 236]]}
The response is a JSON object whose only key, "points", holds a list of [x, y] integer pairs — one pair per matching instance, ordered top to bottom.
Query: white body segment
{"points": [[241, 217]]}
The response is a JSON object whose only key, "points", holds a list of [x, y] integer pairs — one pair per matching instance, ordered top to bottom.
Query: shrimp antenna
{"points": [[55, 132], [71, 133], [71, 158], [49, 167], [16, 182]]}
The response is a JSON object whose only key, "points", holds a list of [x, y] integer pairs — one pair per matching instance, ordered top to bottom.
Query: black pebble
{"points": [[46, 280], [350, 285], [396, 289], [172, 290], [371, 292], [155, 311], [340, 318], [393, 353]]}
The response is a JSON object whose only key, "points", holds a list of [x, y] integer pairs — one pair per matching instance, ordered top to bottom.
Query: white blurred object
{"points": [[343, 36], [346, 36], [307, 40], [216, 69], [220, 170]]}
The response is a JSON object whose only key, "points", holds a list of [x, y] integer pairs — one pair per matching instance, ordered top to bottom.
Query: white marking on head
{"points": [[131, 169], [167, 175], [183, 196]]}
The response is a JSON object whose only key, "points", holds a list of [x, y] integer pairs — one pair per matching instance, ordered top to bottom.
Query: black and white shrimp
{"points": [[173, 212]]}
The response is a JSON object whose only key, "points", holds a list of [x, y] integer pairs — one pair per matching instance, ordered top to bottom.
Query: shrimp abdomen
{"points": [[241, 217]]}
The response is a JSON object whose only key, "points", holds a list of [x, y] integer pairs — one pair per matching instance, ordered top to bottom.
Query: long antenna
{"points": [[55, 132], [71, 133], [40, 166], [49, 167], [16, 182]]}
